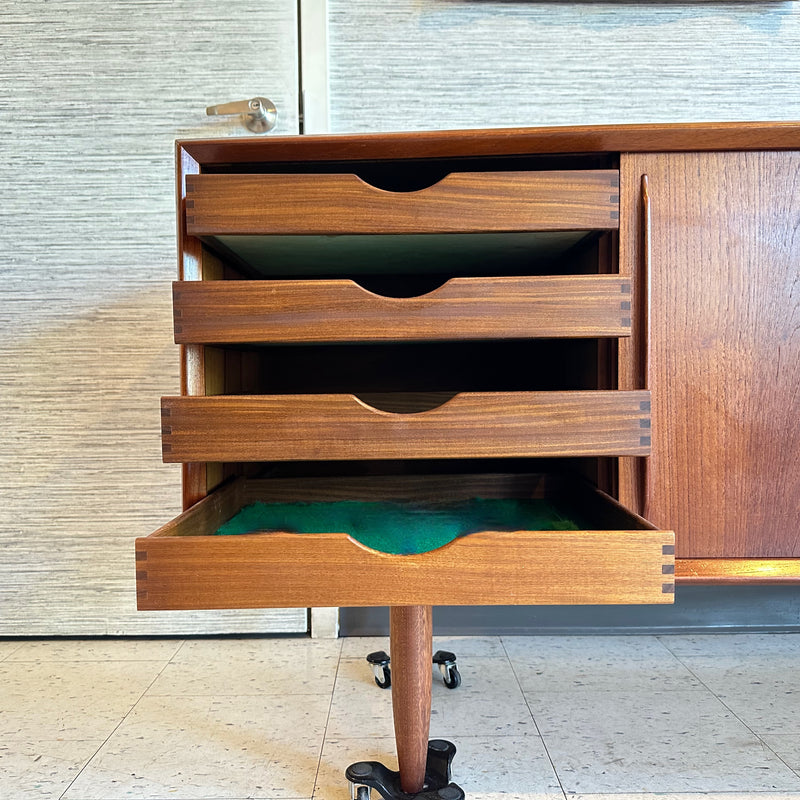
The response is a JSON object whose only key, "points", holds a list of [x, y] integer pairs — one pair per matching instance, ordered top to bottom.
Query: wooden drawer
{"points": [[329, 204], [303, 311], [341, 427], [620, 559]]}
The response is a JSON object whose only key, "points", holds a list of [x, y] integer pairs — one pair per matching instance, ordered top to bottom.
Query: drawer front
{"points": [[331, 204], [304, 311], [342, 427], [184, 566], [487, 568]]}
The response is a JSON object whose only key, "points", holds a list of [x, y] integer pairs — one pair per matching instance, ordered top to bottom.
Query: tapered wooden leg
{"points": [[411, 629]]}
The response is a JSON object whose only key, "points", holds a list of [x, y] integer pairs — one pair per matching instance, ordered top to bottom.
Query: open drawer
{"points": [[330, 204], [325, 310], [313, 427], [613, 556]]}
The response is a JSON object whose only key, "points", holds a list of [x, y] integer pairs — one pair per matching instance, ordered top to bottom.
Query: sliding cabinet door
{"points": [[724, 354]]}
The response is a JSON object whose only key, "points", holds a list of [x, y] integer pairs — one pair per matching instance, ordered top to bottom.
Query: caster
{"points": [[379, 661], [446, 661], [447, 666], [453, 679], [366, 775], [359, 792]]}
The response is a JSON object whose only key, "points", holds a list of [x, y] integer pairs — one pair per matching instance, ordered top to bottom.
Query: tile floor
{"points": [[536, 718]]}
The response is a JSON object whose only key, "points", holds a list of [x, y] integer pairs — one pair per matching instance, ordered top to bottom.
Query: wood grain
{"points": [[509, 142], [329, 204], [235, 312], [725, 350], [471, 425], [194, 477], [428, 489], [607, 513], [183, 566], [529, 568], [751, 571], [411, 637]]}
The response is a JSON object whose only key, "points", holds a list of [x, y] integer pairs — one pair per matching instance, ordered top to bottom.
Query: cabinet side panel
{"points": [[725, 348], [192, 356]]}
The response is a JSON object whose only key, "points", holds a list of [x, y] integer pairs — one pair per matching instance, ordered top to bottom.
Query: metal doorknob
{"points": [[258, 115]]}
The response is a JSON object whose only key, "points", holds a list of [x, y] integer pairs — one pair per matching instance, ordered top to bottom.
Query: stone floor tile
{"points": [[47, 701], [633, 742], [200, 747]]}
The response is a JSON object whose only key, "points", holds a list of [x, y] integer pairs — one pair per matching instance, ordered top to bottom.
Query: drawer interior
{"points": [[400, 174], [406, 265], [429, 367], [457, 504], [404, 528], [610, 555]]}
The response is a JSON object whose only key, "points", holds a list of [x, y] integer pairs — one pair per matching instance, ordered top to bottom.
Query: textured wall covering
{"points": [[416, 64], [92, 95]]}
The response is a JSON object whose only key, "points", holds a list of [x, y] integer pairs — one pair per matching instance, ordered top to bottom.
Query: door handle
{"points": [[258, 115]]}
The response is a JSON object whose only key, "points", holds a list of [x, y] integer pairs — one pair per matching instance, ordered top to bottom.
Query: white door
{"points": [[93, 96]]}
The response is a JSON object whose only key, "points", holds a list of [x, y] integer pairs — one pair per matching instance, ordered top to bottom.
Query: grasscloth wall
{"points": [[420, 64], [92, 96]]}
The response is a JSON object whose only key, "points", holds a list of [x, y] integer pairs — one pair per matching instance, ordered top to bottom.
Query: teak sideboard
{"points": [[606, 315]]}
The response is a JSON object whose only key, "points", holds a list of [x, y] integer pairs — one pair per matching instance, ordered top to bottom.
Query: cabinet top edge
{"points": [[638, 138]]}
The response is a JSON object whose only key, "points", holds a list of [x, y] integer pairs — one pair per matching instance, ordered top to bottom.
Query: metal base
{"points": [[386, 782]]}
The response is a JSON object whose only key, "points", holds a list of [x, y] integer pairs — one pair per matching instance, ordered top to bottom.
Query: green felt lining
{"points": [[399, 528]]}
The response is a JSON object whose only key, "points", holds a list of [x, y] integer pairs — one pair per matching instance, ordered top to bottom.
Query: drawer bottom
{"points": [[402, 528]]}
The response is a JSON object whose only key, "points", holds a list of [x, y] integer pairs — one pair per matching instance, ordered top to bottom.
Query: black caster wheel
{"points": [[444, 659], [379, 661], [447, 666], [453, 679], [384, 682]]}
